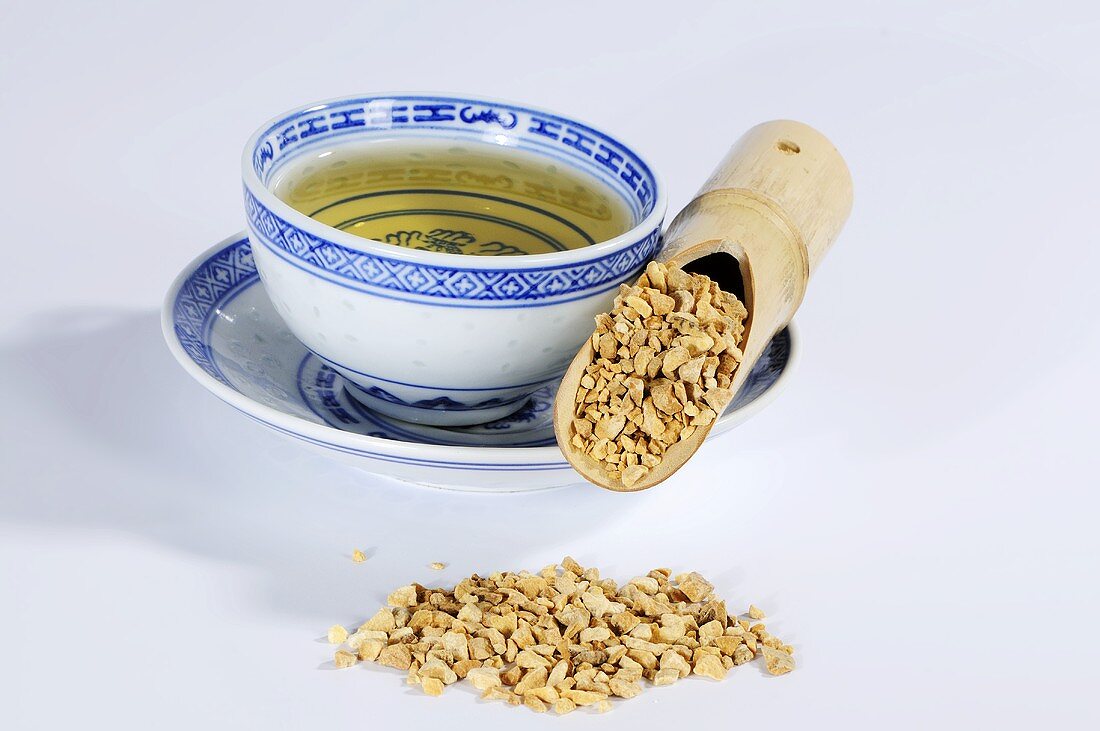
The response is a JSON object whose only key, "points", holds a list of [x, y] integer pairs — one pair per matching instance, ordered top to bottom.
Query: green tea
{"points": [[474, 198]]}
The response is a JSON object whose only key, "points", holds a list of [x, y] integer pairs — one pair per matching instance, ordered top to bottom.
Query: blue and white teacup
{"points": [[426, 336]]}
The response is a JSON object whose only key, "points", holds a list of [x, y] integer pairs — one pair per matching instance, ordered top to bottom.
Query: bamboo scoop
{"points": [[758, 227]]}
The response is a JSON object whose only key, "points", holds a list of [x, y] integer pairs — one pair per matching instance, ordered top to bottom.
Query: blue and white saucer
{"points": [[221, 327]]}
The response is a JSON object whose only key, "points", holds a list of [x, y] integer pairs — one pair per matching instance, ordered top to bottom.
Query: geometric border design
{"points": [[367, 117], [363, 270], [199, 297]]}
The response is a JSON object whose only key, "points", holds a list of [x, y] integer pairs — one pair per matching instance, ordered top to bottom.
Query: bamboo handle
{"points": [[789, 167], [774, 205]]}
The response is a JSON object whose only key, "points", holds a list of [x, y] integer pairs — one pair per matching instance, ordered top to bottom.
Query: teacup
{"points": [[431, 337]]}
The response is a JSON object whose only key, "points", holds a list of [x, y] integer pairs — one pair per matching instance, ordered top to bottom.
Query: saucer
{"points": [[222, 328]]}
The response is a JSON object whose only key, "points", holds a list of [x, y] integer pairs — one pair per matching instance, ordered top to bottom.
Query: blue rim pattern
{"points": [[286, 138], [364, 271], [209, 286]]}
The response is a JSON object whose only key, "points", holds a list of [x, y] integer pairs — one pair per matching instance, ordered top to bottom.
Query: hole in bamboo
{"points": [[788, 147], [723, 268]]}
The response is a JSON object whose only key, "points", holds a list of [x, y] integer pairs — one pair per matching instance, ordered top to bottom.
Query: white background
{"points": [[917, 513]]}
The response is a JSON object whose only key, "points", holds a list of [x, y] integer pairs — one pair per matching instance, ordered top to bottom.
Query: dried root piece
{"points": [[662, 368], [403, 597], [563, 638], [344, 659], [777, 661], [710, 666], [432, 686]]}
